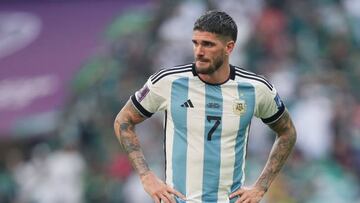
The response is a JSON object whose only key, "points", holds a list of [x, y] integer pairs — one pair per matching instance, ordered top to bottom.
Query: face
{"points": [[210, 51]]}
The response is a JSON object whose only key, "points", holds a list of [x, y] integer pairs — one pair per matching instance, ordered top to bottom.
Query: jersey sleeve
{"points": [[150, 98], [269, 106]]}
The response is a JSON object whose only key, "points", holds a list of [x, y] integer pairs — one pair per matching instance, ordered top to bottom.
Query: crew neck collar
{"points": [[231, 75]]}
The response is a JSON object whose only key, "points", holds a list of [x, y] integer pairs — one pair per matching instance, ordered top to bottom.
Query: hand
{"points": [[158, 190], [248, 195]]}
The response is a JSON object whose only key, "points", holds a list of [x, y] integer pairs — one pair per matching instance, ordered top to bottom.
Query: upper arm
{"points": [[141, 105], [269, 106], [127, 118], [284, 125]]}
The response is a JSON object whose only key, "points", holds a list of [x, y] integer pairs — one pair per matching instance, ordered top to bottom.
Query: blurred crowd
{"points": [[310, 51]]}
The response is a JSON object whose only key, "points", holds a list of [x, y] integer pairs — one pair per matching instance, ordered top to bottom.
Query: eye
{"points": [[208, 44]]}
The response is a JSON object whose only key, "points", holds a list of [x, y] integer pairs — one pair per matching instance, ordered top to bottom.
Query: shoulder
{"points": [[184, 70], [258, 81]]}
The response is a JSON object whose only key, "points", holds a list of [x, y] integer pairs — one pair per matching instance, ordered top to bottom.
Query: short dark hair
{"points": [[217, 22]]}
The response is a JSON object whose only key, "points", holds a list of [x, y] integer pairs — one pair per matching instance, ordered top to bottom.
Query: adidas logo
{"points": [[188, 104]]}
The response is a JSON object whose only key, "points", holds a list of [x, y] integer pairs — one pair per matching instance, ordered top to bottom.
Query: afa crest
{"points": [[239, 107]]}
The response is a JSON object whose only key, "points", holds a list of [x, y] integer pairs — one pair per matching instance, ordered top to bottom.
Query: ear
{"points": [[229, 47]]}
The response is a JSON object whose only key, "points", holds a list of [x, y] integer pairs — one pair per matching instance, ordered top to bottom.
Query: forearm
{"points": [[125, 132], [282, 147], [277, 158]]}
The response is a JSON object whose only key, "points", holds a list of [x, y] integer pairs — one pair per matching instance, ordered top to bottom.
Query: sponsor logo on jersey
{"points": [[187, 104]]}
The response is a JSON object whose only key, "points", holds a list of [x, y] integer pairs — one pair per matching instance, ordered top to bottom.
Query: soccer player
{"points": [[208, 107]]}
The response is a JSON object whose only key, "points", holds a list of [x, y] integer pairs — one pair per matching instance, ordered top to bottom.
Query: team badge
{"points": [[239, 107]]}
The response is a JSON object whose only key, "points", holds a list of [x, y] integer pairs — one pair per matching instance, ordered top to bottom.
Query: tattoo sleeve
{"points": [[124, 127], [282, 147]]}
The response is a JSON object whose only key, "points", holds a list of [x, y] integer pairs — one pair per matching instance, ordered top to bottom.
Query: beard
{"points": [[213, 67]]}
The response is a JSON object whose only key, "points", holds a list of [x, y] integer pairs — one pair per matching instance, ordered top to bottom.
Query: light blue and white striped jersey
{"points": [[207, 126]]}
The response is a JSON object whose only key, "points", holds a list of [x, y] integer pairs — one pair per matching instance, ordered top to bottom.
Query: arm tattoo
{"points": [[124, 126], [125, 131], [286, 137]]}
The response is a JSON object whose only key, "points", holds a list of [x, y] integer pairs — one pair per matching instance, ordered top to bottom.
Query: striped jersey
{"points": [[207, 126]]}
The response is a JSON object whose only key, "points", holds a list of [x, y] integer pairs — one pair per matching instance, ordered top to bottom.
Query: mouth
{"points": [[202, 60], [202, 64]]}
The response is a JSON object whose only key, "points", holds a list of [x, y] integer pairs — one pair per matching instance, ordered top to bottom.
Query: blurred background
{"points": [[68, 66]]}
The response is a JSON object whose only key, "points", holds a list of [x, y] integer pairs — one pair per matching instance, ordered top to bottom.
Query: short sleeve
{"points": [[149, 99], [269, 106]]}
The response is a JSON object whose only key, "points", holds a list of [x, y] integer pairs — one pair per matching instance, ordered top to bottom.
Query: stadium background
{"points": [[67, 67]]}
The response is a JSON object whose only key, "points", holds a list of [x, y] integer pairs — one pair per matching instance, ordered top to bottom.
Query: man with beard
{"points": [[208, 107]]}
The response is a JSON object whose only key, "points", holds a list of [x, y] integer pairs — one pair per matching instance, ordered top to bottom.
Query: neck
{"points": [[219, 76]]}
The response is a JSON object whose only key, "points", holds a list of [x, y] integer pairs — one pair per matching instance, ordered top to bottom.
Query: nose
{"points": [[199, 50]]}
